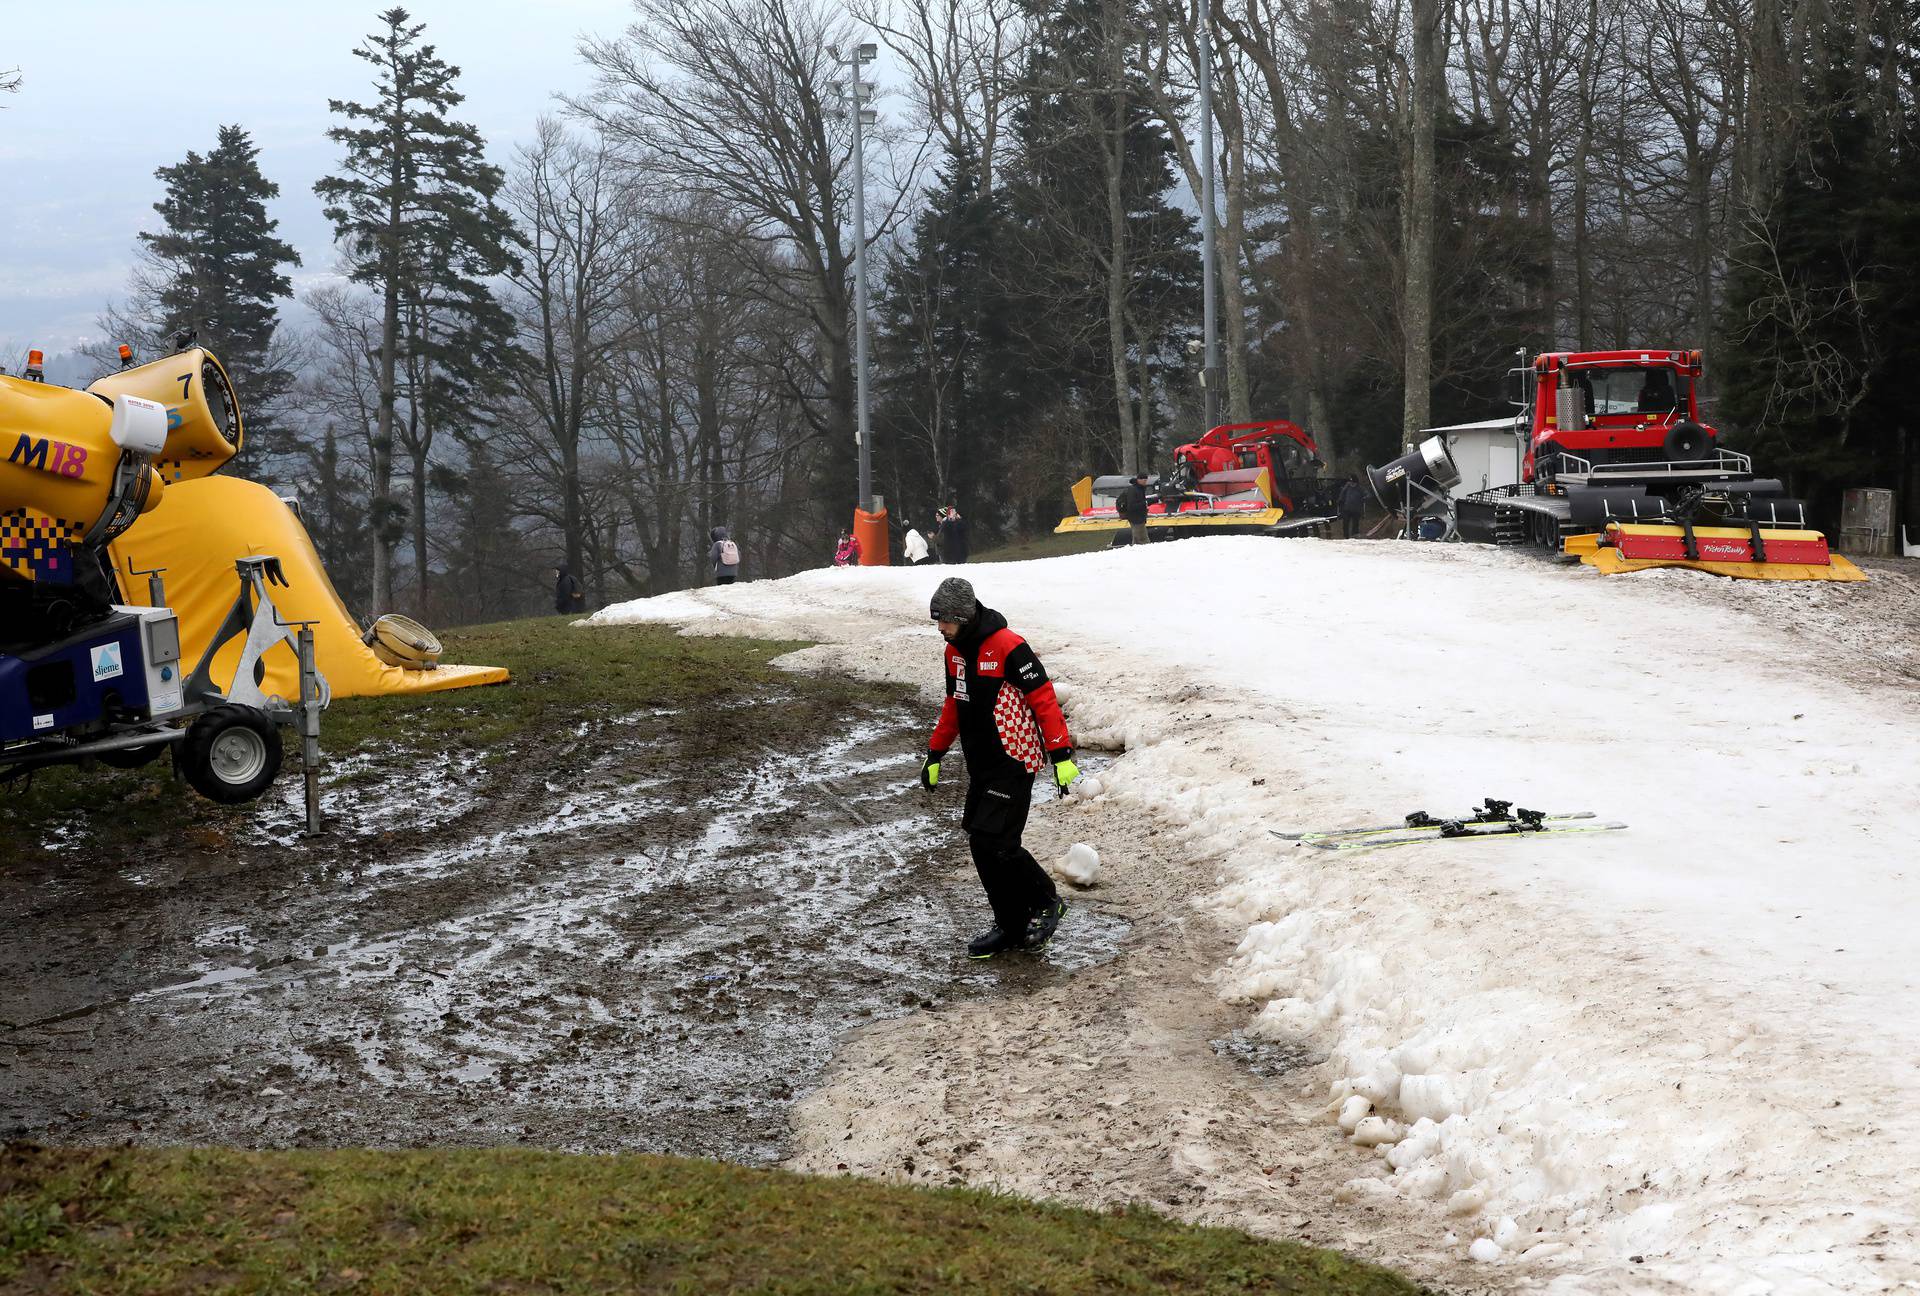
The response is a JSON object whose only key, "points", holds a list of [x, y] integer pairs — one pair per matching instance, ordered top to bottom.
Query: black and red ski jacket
{"points": [[1000, 704]]}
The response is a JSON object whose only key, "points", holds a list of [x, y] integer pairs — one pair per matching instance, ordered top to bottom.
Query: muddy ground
{"points": [[644, 933]]}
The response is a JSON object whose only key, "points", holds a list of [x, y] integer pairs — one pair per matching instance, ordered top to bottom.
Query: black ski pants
{"points": [[1349, 525], [1017, 887]]}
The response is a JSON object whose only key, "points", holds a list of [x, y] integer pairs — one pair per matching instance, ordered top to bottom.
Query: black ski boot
{"points": [[1041, 926], [990, 942]]}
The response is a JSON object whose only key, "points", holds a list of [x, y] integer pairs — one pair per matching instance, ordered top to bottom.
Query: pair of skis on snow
{"points": [[1494, 819]]}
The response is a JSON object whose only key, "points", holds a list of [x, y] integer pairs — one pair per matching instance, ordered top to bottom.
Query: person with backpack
{"points": [[725, 555], [567, 594], [1001, 708]]}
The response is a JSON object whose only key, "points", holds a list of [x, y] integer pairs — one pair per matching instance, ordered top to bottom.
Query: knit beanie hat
{"points": [[954, 601]]}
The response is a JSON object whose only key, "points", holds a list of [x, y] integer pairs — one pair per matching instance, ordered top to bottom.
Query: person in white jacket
{"points": [[914, 546]]}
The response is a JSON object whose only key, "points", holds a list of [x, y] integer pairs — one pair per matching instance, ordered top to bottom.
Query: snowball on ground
{"points": [[1080, 865]]}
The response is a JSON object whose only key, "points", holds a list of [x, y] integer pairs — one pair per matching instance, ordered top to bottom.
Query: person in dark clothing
{"points": [[1353, 506], [1132, 508], [953, 537], [725, 556], [567, 594], [1001, 707]]}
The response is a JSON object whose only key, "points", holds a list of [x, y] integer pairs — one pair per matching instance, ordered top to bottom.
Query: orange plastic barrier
{"points": [[870, 529]]}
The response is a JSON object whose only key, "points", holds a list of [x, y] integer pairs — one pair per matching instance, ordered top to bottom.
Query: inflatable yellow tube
{"points": [[200, 527]]}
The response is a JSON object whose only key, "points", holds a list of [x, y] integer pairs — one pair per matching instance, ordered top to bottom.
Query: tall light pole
{"points": [[856, 100], [1210, 365]]}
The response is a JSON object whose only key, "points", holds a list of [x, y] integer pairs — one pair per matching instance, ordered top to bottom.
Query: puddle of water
{"points": [[206, 980], [1267, 1059]]}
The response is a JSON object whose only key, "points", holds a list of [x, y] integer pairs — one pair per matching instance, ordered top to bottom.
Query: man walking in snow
{"points": [[1001, 707]]}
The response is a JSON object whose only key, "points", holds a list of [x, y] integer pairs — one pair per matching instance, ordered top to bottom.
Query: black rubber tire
{"points": [[231, 754], [127, 758]]}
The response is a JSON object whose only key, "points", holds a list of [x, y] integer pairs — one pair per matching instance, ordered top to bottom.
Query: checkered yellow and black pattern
{"points": [[173, 470], [36, 547]]}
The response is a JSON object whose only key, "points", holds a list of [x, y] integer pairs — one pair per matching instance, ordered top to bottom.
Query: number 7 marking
{"points": [[186, 385]]}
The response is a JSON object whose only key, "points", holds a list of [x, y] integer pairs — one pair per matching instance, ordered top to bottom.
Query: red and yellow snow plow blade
{"points": [[1237, 499], [1199, 519], [1722, 550]]}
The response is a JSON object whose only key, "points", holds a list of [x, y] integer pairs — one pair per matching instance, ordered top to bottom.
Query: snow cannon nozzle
{"points": [[1427, 469]]}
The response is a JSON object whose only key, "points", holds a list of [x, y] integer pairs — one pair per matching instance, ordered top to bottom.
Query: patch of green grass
{"points": [[1048, 546], [562, 675], [143, 1220]]}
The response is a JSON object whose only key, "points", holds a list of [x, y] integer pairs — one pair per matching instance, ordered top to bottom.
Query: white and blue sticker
{"points": [[106, 662]]}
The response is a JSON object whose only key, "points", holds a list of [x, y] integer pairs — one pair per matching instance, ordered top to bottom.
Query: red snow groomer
{"points": [[1618, 468], [1235, 479]]}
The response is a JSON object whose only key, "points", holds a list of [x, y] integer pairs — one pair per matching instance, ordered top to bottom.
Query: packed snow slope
{"points": [[1683, 1057]]}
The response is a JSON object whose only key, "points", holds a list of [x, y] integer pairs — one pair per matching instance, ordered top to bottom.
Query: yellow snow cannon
{"points": [[204, 427], [77, 473]]}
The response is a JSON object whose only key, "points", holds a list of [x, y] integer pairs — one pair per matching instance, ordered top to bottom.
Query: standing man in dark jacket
{"points": [[1353, 504], [1132, 506], [953, 537], [567, 595], [1001, 707]]}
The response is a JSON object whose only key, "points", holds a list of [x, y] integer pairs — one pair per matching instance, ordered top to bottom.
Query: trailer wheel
{"points": [[231, 754]]}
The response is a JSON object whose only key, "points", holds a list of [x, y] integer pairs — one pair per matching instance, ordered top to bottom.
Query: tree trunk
{"points": [[1113, 156], [1417, 223], [1582, 240], [1233, 298], [381, 469], [419, 521]]}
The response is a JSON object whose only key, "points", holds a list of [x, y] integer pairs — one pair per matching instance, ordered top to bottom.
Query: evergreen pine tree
{"points": [[1057, 198], [415, 215], [214, 270], [1815, 296], [951, 383]]}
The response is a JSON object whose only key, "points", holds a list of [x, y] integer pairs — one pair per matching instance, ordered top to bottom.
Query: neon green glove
{"points": [[930, 772], [1065, 772]]}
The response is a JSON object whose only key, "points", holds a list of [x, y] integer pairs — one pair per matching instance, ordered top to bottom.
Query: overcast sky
{"points": [[114, 90]]}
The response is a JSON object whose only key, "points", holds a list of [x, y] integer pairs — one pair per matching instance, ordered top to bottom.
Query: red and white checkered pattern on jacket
{"points": [[1019, 732]]}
